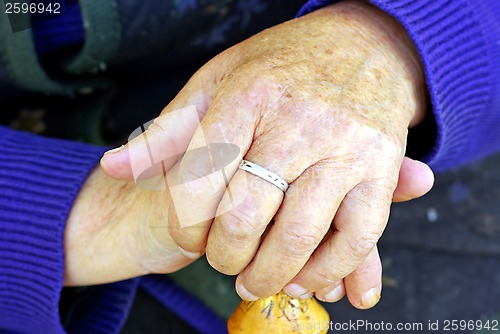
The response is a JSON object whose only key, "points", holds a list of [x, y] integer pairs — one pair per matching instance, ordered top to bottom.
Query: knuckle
{"points": [[256, 95], [157, 126], [156, 129], [156, 138], [195, 172], [199, 184], [383, 188], [376, 193], [240, 225], [176, 231], [185, 237], [189, 237], [303, 238], [362, 244], [156, 254], [221, 263], [331, 272], [326, 278], [265, 286]]}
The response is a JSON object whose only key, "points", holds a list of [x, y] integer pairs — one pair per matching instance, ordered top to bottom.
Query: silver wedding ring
{"points": [[264, 174]]}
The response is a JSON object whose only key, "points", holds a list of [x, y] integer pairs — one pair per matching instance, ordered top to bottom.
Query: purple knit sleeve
{"points": [[459, 44], [39, 180]]}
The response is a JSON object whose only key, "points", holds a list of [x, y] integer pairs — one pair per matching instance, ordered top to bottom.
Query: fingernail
{"points": [[115, 150], [103, 161], [189, 255], [296, 291], [245, 294], [306, 295], [335, 295], [370, 298]]}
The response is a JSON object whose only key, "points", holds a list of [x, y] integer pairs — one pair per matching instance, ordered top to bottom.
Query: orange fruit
{"points": [[279, 314]]}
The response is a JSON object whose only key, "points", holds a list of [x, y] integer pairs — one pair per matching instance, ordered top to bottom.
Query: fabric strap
{"points": [[102, 30], [102, 36], [19, 56]]}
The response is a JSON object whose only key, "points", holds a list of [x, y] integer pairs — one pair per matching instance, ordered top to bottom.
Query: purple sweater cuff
{"points": [[459, 46], [39, 180]]}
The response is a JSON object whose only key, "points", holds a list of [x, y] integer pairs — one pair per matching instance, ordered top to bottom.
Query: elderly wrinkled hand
{"points": [[325, 102]]}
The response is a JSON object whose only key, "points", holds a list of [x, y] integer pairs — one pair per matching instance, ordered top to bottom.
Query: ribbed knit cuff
{"points": [[459, 70], [39, 180]]}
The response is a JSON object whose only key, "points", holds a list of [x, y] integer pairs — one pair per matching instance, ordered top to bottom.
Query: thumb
{"points": [[158, 144], [153, 147], [415, 180]]}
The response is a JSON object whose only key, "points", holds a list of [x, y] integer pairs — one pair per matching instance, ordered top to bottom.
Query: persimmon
{"points": [[279, 314]]}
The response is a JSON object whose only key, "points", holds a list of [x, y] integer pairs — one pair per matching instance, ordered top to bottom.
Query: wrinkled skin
{"points": [[325, 101]]}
